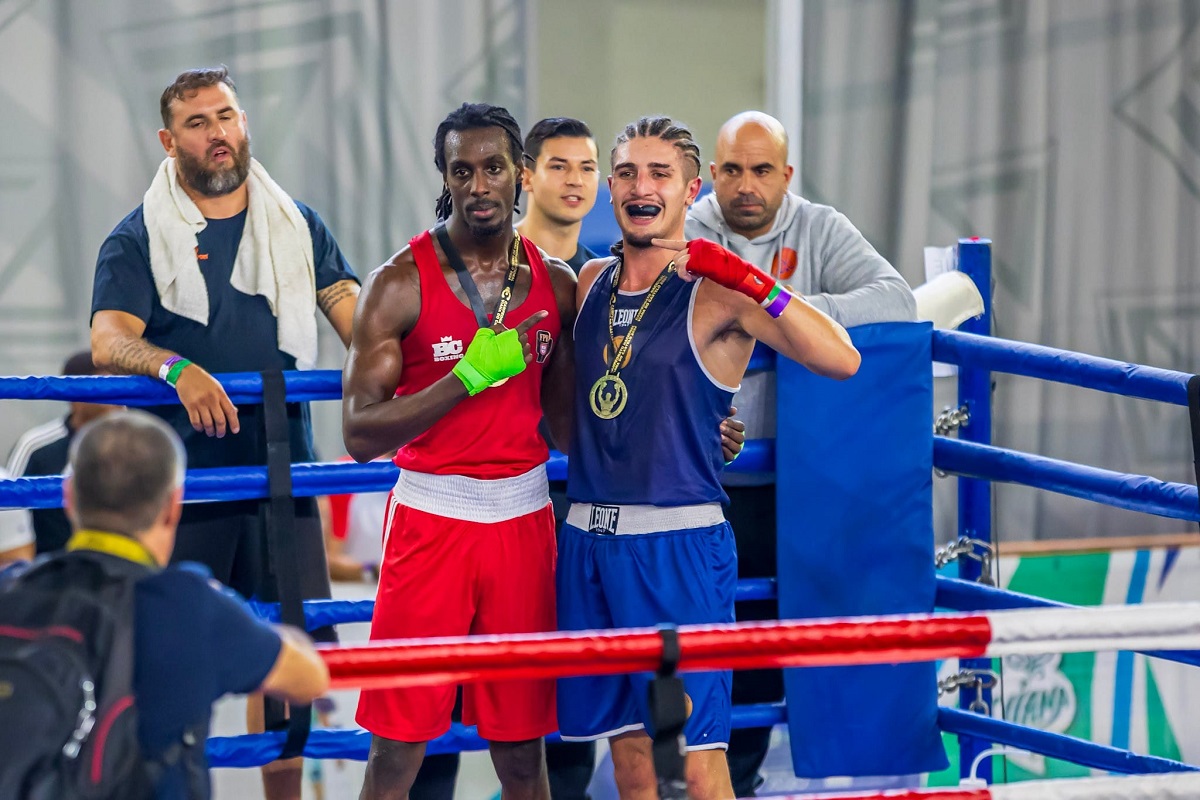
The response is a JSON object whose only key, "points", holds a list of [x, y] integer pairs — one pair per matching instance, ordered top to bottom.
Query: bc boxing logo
{"points": [[545, 344], [448, 349], [604, 519]]}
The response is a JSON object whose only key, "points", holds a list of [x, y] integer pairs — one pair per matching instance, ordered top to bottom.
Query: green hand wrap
{"points": [[490, 358]]}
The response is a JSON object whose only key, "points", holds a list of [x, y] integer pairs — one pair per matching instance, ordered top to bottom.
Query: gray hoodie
{"points": [[825, 259]]}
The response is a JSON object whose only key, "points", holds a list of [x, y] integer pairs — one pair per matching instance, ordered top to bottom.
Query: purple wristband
{"points": [[776, 301], [165, 369]]}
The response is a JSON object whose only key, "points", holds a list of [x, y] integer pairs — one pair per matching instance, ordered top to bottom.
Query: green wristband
{"points": [[176, 370]]}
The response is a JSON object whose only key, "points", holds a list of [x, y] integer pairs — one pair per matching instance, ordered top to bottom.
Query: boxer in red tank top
{"points": [[469, 545]]}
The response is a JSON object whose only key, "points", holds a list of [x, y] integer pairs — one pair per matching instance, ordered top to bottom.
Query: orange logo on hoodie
{"points": [[783, 265]]}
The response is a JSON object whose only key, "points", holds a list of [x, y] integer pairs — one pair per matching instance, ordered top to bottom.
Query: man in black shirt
{"points": [[219, 270]]}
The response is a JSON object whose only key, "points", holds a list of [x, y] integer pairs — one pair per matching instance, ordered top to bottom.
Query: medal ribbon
{"points": [[510, 280], [468, 283], [627, 342]]}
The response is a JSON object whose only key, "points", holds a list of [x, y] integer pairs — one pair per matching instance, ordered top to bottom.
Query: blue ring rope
{"points": [[952, 347], [1060, 366], [242, 387], [140, 390], [310, 480], [1132, 492], [323, 613], [1056, 745], [254, 750]]}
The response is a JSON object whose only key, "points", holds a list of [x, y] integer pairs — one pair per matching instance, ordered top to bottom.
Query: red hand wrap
{"points": [[710, 260]]}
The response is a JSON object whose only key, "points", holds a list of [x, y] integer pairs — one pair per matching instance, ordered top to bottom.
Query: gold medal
{"points": [[609, 393], [608, 396]]}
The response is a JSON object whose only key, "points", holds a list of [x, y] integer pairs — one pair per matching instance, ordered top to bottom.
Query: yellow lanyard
{"points": [[114, 544]]}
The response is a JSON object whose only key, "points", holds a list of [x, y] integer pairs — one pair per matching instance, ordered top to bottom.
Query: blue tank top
{"points": [[664, 448]]}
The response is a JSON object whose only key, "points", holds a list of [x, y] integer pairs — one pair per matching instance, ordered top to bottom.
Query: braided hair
{"points": [[472, 116], [668, 130]]}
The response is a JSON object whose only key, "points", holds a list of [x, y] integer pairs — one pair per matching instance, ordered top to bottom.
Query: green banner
{"points": [[1121, 699]]}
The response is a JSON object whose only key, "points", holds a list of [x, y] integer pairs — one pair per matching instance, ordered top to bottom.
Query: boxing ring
{"points": [[983, 622]]}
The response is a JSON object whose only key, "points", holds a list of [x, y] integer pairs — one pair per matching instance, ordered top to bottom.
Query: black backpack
{"points": [[68, 721]]}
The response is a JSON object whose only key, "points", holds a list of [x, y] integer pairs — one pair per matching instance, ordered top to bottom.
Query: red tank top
{"points": [[495, 433]]}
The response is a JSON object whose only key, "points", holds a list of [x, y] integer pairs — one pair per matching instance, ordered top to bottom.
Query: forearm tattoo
{"points": [[330, 296], [138, 357]]}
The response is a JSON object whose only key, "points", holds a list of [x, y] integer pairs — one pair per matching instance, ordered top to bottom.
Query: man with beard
{"points": [[819, 253], [220, 271], [460, 340], [658, 356]]}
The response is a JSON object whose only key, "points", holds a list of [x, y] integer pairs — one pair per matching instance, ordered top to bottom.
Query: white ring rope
{"points": [[1153, 626], [1172, 786]]}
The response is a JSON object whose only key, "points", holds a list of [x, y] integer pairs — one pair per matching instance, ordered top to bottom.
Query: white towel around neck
{"points": [[274, 257]]}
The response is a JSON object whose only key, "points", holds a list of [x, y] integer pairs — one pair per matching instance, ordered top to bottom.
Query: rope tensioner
{"points": [[951, 419], [973, 549], [977, 679]]}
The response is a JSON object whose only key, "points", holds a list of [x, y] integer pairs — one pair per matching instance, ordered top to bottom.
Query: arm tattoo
{"points": [[330, 296], [138, 357]]}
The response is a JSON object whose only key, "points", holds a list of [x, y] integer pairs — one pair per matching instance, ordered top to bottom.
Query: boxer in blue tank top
{"points": [[658, 357]]}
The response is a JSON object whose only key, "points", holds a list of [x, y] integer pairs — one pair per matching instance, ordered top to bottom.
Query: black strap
{"points": [[464, 277], [1193, 396], [283, 558], [118, 591], [670, 651], [668, 716], [187, 751]]}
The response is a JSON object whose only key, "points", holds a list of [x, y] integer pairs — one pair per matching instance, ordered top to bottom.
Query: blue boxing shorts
{"points": [[637, 567]]}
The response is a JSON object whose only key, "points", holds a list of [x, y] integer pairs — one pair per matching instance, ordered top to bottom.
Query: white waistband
{"points": [[472, 499], [616, 519]]}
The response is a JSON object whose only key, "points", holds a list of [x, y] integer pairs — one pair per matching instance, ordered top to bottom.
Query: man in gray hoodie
{"points": [[819, 254]]}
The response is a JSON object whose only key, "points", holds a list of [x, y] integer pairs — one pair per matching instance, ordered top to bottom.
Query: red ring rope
{"points": [[744, 646]]}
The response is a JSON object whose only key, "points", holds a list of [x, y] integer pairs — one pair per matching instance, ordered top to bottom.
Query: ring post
{"points": [[975, 496]]}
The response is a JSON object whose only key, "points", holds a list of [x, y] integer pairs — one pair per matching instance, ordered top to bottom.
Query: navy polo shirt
{"points": [[241, 334], [192, 645]]}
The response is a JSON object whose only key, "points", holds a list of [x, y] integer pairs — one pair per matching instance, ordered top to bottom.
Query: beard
{"points": [[215, 182], [743, 222], [481, 229], [488, 230], [640, 239]]}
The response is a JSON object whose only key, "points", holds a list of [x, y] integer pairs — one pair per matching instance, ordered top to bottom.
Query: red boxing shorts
{"points": [[446, 576]]}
